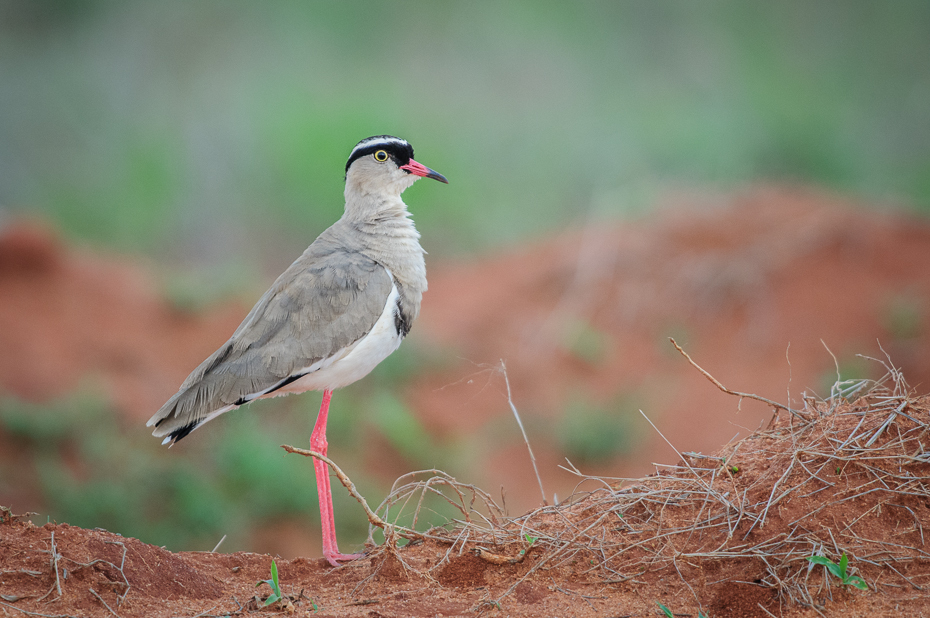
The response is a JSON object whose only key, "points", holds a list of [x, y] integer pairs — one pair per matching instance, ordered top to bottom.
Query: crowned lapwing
{"points": [[340, 309]]}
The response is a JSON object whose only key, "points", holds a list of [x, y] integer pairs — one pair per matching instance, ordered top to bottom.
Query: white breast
{"points": [[355, 361]]}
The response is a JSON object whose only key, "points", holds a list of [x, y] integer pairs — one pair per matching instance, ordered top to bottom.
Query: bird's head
{"points": [[384, 164]]}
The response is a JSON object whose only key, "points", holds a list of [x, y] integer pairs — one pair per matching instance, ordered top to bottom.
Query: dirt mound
{"points": [[753, 285], [69, 316], [726, 535]]}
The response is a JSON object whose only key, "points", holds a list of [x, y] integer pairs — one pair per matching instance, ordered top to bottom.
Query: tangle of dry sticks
{"points": [[763, 504]]}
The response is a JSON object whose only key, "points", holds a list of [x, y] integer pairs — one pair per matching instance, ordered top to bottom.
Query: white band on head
{"points": [[380, 139]]}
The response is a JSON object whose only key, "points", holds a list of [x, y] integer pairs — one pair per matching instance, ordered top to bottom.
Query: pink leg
{"points": [[319, 444]]}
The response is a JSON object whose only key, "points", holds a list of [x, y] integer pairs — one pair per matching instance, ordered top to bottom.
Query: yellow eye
{"points": [[381, 156]]}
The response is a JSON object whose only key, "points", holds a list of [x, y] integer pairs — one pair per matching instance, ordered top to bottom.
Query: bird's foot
{"points": [[334, 558]]}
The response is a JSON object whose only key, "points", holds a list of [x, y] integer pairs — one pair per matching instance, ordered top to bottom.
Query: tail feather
{"points": [[185, 411], [174, 425], [180, 432]]}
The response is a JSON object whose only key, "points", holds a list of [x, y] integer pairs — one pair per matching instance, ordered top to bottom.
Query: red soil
{"points": [[735, 280], [755, 287], [680, 546]]}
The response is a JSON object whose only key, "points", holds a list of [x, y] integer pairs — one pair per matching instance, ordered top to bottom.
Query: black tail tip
{"points": [[180, 433]]}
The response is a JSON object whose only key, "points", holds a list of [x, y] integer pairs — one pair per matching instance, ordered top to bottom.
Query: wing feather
{"points": [[324, 302]]}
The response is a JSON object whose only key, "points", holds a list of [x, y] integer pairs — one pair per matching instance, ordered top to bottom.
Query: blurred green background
{"points": [[181, 128], [211, 137]]}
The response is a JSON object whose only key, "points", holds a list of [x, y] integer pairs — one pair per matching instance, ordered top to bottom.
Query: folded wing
{"points": [[322, 304]]}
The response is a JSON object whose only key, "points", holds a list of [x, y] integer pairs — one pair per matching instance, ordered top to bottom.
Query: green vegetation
{"points": [[536, 111], [194, 290], [903, 317], [585, 342], [842, 380], [403, 430], [595, 433], [230, 479], [530, 540], [839, 571], [276, 593], [668, 613]]}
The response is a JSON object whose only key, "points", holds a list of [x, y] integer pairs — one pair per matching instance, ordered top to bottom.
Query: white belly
{"points": [[354, 362]]}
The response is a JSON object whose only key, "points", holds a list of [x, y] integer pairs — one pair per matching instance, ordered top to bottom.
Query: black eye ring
{"points": [[381, 156]]}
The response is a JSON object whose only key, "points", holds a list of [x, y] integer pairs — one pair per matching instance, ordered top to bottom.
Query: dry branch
{"points": [[716, 383], [345, 480]]}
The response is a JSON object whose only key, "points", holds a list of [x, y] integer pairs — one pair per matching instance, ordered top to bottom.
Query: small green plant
{"points": [[529, 542], [839, 570], [276, 593], [668, 613]]}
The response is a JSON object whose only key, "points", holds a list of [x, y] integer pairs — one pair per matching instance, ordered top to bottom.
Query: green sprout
{"points": [[529, 542], [839, 570], [276, 593], [668, 613]]}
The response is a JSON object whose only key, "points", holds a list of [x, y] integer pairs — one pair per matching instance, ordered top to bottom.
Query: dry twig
{"points": [[716, 383], [516, 415], [99, 598]]}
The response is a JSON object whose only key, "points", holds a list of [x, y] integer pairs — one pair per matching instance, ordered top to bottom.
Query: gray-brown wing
{"points": [[315, 309]]}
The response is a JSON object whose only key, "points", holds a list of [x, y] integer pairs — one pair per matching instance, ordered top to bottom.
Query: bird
{"points": [[337, 311]]}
